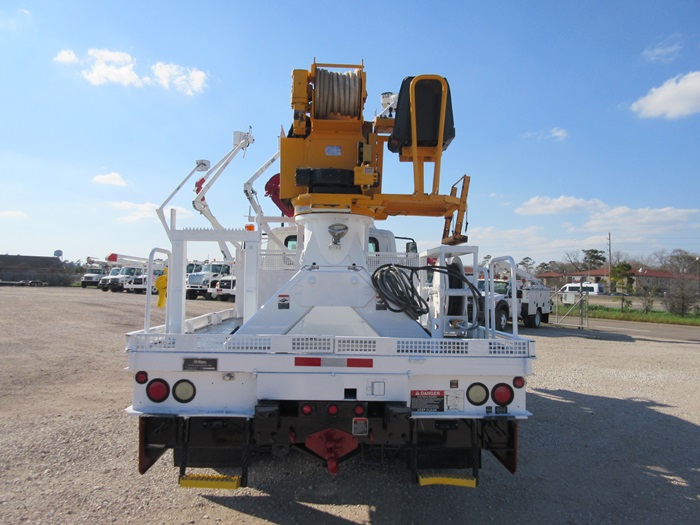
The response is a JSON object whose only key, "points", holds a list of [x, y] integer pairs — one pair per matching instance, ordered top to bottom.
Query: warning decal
{"points": [[428, 400], [437, 400]]}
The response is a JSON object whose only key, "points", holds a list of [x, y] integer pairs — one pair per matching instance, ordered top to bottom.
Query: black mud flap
{"points": [[156, 435], [501, 439]]}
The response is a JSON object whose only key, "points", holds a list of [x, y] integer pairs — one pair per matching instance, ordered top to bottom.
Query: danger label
{"points": [[428, 400], [437, 400]]}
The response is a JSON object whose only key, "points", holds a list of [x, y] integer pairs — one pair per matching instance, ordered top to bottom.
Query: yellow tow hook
{"points": [[162, 288]]}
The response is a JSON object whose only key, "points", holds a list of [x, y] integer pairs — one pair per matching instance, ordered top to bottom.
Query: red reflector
{"points": [[307, 361], [356, 362], [141, 377], [518, 382], [158, 390], [502, 394], [332, 409], [307, 410], [359, 410]]}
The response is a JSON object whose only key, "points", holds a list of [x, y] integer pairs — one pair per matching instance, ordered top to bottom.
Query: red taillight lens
{"points": [[141, 377], [518, 382], [158, 390], [502, 394], [307, 409], [333, 409], [359, 410]]}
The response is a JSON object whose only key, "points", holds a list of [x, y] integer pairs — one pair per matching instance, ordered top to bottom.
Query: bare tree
{"points": [[573, 259], [681, 296]]}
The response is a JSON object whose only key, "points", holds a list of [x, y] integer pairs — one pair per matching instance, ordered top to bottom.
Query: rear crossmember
{"points": [[437, 451]]}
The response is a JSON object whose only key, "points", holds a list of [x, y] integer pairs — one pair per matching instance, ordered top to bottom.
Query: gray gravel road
{"points": [[614, 437]]}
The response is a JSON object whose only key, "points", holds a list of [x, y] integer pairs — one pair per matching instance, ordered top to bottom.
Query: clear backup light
{"points": [[158, 390], [184, 391], [477, 394], [502, 394]]}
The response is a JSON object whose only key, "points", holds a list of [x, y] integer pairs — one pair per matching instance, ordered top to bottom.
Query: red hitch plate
{"points": [[331, 444]]}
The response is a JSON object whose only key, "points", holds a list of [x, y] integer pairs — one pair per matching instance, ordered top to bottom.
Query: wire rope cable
{"points": [[337, 93]]}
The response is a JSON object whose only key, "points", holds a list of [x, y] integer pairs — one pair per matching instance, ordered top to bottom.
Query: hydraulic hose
{"points": [[395, 285]]}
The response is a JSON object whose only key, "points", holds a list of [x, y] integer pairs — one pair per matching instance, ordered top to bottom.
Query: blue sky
{"points": [[574, 119]]}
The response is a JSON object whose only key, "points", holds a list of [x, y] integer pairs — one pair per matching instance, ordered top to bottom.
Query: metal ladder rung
{"points": [[457, 478], [210, 481]]}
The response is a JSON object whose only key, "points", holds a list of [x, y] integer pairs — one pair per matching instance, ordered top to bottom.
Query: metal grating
{"points": [[276, 260], [375, 260], [154, 342], [242, 343], [312, 344], [355, 345], [442, 347], [498, 348]]}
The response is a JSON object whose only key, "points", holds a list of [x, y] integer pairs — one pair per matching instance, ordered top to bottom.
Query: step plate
{"points": [[457, 478], [210, 481]]}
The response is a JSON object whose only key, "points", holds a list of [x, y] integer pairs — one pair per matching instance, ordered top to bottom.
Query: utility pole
{"points": [[609, 263]]}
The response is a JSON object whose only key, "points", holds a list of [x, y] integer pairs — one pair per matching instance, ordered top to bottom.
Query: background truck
{"points": [[131, 267], [93, 274], [103, 283], [202, 283], [533, 300], [335, 349]]}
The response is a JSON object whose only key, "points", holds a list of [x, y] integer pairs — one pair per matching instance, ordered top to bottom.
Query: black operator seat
{"points": [[428, 100]]}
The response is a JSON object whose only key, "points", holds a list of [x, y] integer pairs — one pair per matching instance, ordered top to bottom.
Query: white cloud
{"points": [[665, 51], [65, 56], [111, 66], [117, 67], [185, 80], [677, 97], [556, 133], [111, 179], [563, 204], [146, 211], [136, 212], [12, 214], [642, 221]]}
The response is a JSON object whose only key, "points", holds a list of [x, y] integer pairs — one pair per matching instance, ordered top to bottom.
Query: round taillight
{"points": [[141, 377], [518, 382], [157, 390], [184, 391], [477, 394], [502, 394], [307, 409], [333, 409], [359, 410]]}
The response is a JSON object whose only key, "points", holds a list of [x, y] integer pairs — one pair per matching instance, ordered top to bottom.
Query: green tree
{"points": [[593, 259], [527, 264], [621, 275], [681, 297]]}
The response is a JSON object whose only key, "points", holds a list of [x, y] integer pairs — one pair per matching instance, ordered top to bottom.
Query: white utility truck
{"points": [[131, 267], [95, 270], [533, 300], [335, 349]]}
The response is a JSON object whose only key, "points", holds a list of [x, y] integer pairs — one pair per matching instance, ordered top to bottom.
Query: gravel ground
{"points": [[614, 437]]}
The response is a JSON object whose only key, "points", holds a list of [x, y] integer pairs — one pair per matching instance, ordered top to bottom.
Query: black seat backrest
{"points": [[428, 100]]}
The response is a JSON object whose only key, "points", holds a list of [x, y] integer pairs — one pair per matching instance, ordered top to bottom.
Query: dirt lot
{"points": [[614, 437]]}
